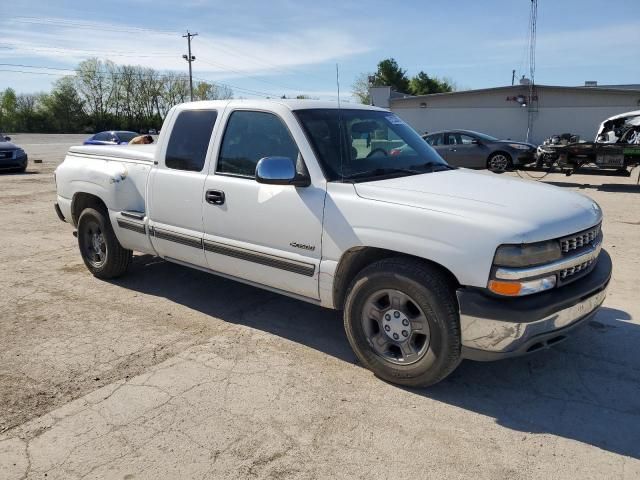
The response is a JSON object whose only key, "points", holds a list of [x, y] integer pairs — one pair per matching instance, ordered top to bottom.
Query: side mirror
{"points": [[7, 138], [475, 141], [281, 171]]}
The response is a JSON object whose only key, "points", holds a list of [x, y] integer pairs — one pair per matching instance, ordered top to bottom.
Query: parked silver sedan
{"points": [[466, 148]]}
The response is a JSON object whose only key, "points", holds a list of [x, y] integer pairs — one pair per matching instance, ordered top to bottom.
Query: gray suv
{"points": [[469, 149]]}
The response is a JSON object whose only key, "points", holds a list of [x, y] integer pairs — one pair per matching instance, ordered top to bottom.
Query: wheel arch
{"points": [[82, 200], [354, 260]]}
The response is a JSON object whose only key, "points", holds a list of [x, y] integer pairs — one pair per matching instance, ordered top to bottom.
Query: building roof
{"points": [[519, 88]]}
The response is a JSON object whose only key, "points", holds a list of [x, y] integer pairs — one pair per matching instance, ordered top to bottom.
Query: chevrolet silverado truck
{"points": [[430, 264]]}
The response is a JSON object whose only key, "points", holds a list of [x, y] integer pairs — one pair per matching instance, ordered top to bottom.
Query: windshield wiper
{"points": [[432, 166], [381, 171]]}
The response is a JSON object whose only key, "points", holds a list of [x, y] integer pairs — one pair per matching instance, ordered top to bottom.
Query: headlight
{"points": [[519, 146], [19, 152], [527, 255], [523, 256]]}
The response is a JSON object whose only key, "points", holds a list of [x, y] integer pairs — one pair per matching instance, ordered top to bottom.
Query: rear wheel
{"points": [[499, 162], [100, 249], [401, 321]]}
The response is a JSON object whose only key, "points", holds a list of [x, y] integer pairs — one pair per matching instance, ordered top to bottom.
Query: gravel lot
{"points": [[172, 373]]}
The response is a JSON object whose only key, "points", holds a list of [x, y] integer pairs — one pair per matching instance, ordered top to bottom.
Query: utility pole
{"points": [[189, 58], [513, 77]]}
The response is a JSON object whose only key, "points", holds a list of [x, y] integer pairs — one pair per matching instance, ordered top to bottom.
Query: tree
{"points": [[390, 74], [423, 84], [95, 86], [360, 88], [8, 107], [64, 107]]}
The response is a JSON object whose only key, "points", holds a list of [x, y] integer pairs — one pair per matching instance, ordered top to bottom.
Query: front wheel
{"points": [[499, 162], [100, 249], [401, 319]]}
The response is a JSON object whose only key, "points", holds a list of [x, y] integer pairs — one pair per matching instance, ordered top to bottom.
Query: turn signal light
{"points": [[525, 287], [505, 288]]}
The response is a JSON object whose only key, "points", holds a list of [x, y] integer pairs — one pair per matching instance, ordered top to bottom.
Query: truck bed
{"points": [[137, 153]]}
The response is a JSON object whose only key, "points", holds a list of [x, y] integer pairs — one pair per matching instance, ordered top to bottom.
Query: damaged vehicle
{"points": [[615, 151], [428, 263]]}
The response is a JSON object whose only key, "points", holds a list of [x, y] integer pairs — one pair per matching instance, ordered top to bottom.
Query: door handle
{"points": [[214, 197]]}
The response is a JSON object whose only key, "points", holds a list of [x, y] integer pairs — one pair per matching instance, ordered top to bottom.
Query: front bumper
{"points": [[525, 157], [14, 162], [494, 328]]}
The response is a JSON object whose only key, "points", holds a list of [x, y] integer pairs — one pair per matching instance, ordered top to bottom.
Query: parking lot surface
{"points": [[169, 372]]}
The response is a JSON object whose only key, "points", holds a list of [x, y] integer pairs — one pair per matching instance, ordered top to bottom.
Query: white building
{"points": [[508, 112]]}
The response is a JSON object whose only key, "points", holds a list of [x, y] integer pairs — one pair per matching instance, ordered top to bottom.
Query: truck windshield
{"points": [[358, 145]]}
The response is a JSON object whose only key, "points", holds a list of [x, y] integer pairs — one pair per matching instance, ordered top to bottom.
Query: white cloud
{"points": [[57, 40]]}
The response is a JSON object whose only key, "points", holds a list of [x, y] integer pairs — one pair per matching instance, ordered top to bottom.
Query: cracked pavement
{"points": [[173, 373]]}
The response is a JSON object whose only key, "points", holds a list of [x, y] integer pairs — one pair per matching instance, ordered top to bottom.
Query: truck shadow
{"points": [[605, 187], [586, 389]]}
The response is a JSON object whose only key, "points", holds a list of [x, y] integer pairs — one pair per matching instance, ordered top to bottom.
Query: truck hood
{"points": [[523, 211]]}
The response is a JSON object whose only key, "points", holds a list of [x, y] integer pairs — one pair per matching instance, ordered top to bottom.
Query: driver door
{"points": [[267, 234]]}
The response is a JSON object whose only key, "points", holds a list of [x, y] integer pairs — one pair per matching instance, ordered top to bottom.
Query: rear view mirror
{"points": [[7, 138], [280, 171]]}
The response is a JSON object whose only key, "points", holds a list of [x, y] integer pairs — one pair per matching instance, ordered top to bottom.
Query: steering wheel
{"points": [[378, 150]]}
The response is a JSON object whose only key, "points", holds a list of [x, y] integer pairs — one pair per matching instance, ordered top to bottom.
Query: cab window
{"points": [[251, 136], [189, 141]]}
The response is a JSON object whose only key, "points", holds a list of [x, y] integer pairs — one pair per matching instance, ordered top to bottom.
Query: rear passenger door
{"points": [[437, 142], [464, 152], [176, 185], [267, 234]]}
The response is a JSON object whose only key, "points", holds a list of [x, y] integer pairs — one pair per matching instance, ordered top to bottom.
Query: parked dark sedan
{"points": [[113, 137], [466, 148], [12, 157]]}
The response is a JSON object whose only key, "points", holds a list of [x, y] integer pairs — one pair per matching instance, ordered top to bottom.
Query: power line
{"points": [[94, 26], [44, 49], [246, 74]]}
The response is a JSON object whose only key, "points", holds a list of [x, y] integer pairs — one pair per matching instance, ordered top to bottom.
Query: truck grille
{"points": [[579, 240], [569, 272]]}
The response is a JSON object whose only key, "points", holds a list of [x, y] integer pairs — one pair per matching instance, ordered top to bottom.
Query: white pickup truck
{"points": [[350, 209]]}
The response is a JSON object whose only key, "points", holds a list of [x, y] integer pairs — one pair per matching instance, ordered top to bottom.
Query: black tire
{"points": [[504, 167], [104, 258], [431, 292]]}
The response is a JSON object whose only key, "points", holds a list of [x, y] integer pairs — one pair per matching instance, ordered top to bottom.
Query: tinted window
{"points": [[103, 136], [126, 136], [251, 136], [437, 139], [466, 139], [189, 141]]}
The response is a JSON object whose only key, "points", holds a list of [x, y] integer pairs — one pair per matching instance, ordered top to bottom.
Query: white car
{"points": [[430, 264]]}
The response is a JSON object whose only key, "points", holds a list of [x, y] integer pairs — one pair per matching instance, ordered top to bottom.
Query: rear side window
{"points": [[102, 136], [251, 136], [435, 140], [189, 141]]}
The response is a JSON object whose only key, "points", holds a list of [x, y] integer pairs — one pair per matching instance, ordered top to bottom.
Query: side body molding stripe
{"points": [[134, 227], [177, 238], [260, 258], [293, 266]]}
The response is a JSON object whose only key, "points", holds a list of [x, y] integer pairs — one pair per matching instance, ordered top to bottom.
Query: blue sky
{"points": [[291, 46]]}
